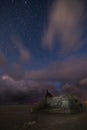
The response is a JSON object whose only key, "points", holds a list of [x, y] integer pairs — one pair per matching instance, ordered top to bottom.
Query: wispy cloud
{"points": [[66, 23], [24, 53], [16, 66], [17, 71], [65, 71]]}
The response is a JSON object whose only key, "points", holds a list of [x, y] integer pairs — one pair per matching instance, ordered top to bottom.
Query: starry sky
{"points": [[23, 22], [43, 40], [43, 45]]}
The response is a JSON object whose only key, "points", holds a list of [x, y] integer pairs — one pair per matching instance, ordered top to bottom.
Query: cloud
{"points": [[65, 22], [24, 53], [2, 59], [16, 66], [68, 70], [16, 71], [6, 77], [83, 82], [71, 89], [75, 89], [78, 89], [12, 90]]}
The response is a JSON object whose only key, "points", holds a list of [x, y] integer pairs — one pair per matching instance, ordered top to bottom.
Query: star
{"points": [[25, 2]]}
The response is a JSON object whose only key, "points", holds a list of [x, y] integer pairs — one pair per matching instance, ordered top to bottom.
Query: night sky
{"points": [[24, 21], [44, 40]]}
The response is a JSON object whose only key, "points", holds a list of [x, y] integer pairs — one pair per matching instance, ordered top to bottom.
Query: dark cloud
{"points": [[83, 82], [78, 89], [23, 91]]}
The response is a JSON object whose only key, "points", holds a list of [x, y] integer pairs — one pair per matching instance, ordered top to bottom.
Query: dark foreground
{"points": [[19, 118]]}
